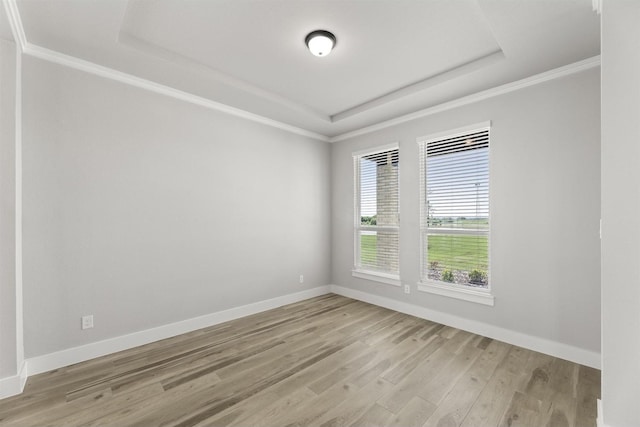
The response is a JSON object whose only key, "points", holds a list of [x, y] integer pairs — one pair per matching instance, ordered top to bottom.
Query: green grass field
{"points": [[368, 250], [453, 252], [459, 252]]}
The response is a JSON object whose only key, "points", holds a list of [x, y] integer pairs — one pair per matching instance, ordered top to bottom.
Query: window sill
{"points": [[376, 276], [466, 293]]}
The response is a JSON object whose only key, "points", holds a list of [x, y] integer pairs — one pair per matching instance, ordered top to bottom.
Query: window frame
{"points": [[358, 271], [480, 295]]}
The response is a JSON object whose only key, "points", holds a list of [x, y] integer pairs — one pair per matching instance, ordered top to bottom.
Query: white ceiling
{"points": [[392, 57]]}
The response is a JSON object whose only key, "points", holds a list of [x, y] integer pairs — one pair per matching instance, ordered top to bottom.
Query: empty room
{"points": [[320, 213]]}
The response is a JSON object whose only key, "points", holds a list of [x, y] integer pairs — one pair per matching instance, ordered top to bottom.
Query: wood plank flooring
{"points": [[327, 361]]}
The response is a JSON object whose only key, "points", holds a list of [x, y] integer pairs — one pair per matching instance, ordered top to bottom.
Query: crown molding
{"points": [[17, 30], [127, 39], [27, 48], [106, 72], [110, 73], [546, 76], [436, 79]]}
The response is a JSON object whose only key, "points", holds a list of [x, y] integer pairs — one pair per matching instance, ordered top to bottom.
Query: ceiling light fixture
{"points": [[320, 42]]}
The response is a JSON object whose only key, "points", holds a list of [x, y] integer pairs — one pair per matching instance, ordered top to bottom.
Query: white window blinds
{"points": [[455, 208], [376, 211]]}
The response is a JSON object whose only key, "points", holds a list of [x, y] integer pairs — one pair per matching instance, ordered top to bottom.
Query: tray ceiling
{"points": [[392, 57]]}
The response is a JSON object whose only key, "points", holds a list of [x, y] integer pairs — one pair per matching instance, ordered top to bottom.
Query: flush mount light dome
{"points": [[320, 42]]}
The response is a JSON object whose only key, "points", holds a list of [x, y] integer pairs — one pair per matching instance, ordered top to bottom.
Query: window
{"points": [[377, 215], [454, 223]]}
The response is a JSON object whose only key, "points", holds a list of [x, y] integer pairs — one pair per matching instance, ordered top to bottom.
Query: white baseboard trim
{"points": [[542, 345], [59, 359], [35, 365], [10, 386], [600, 418]]}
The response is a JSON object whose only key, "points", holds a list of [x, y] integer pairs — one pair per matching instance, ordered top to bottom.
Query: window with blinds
{"points": [[454, 187], [377, 212]]}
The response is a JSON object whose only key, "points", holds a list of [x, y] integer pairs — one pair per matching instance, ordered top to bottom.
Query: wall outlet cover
{"points": [[87, 322]]}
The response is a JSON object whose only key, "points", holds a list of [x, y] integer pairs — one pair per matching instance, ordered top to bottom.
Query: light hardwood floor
{"points": [[327, 361]]}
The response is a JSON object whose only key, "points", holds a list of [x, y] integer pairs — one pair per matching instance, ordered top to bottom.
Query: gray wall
{"points": [[143, 210], [545, 210], [620, 213], [8, 349]]}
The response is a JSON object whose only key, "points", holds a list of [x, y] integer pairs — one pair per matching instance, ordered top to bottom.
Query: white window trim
{"points": [[453, 132], [377, 149], [375, 276], [453, 290]]}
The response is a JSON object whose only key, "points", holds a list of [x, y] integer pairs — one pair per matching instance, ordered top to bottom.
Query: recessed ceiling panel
{"points": [[259, 45], [393, 57]]}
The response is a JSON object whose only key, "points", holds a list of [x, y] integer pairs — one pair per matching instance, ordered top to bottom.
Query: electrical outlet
{"points": [[301, 279], [407, 289], [87, 322]]}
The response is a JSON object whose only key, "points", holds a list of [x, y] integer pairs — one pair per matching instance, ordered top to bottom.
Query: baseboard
{"points": [[542, 345], [47, 362], [35, 365], [10, 386], [599, 419]]}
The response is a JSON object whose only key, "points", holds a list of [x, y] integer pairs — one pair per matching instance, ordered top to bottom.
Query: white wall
{"points": [[545, 209], [143, 210], [620, 212], [8, 339]]}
